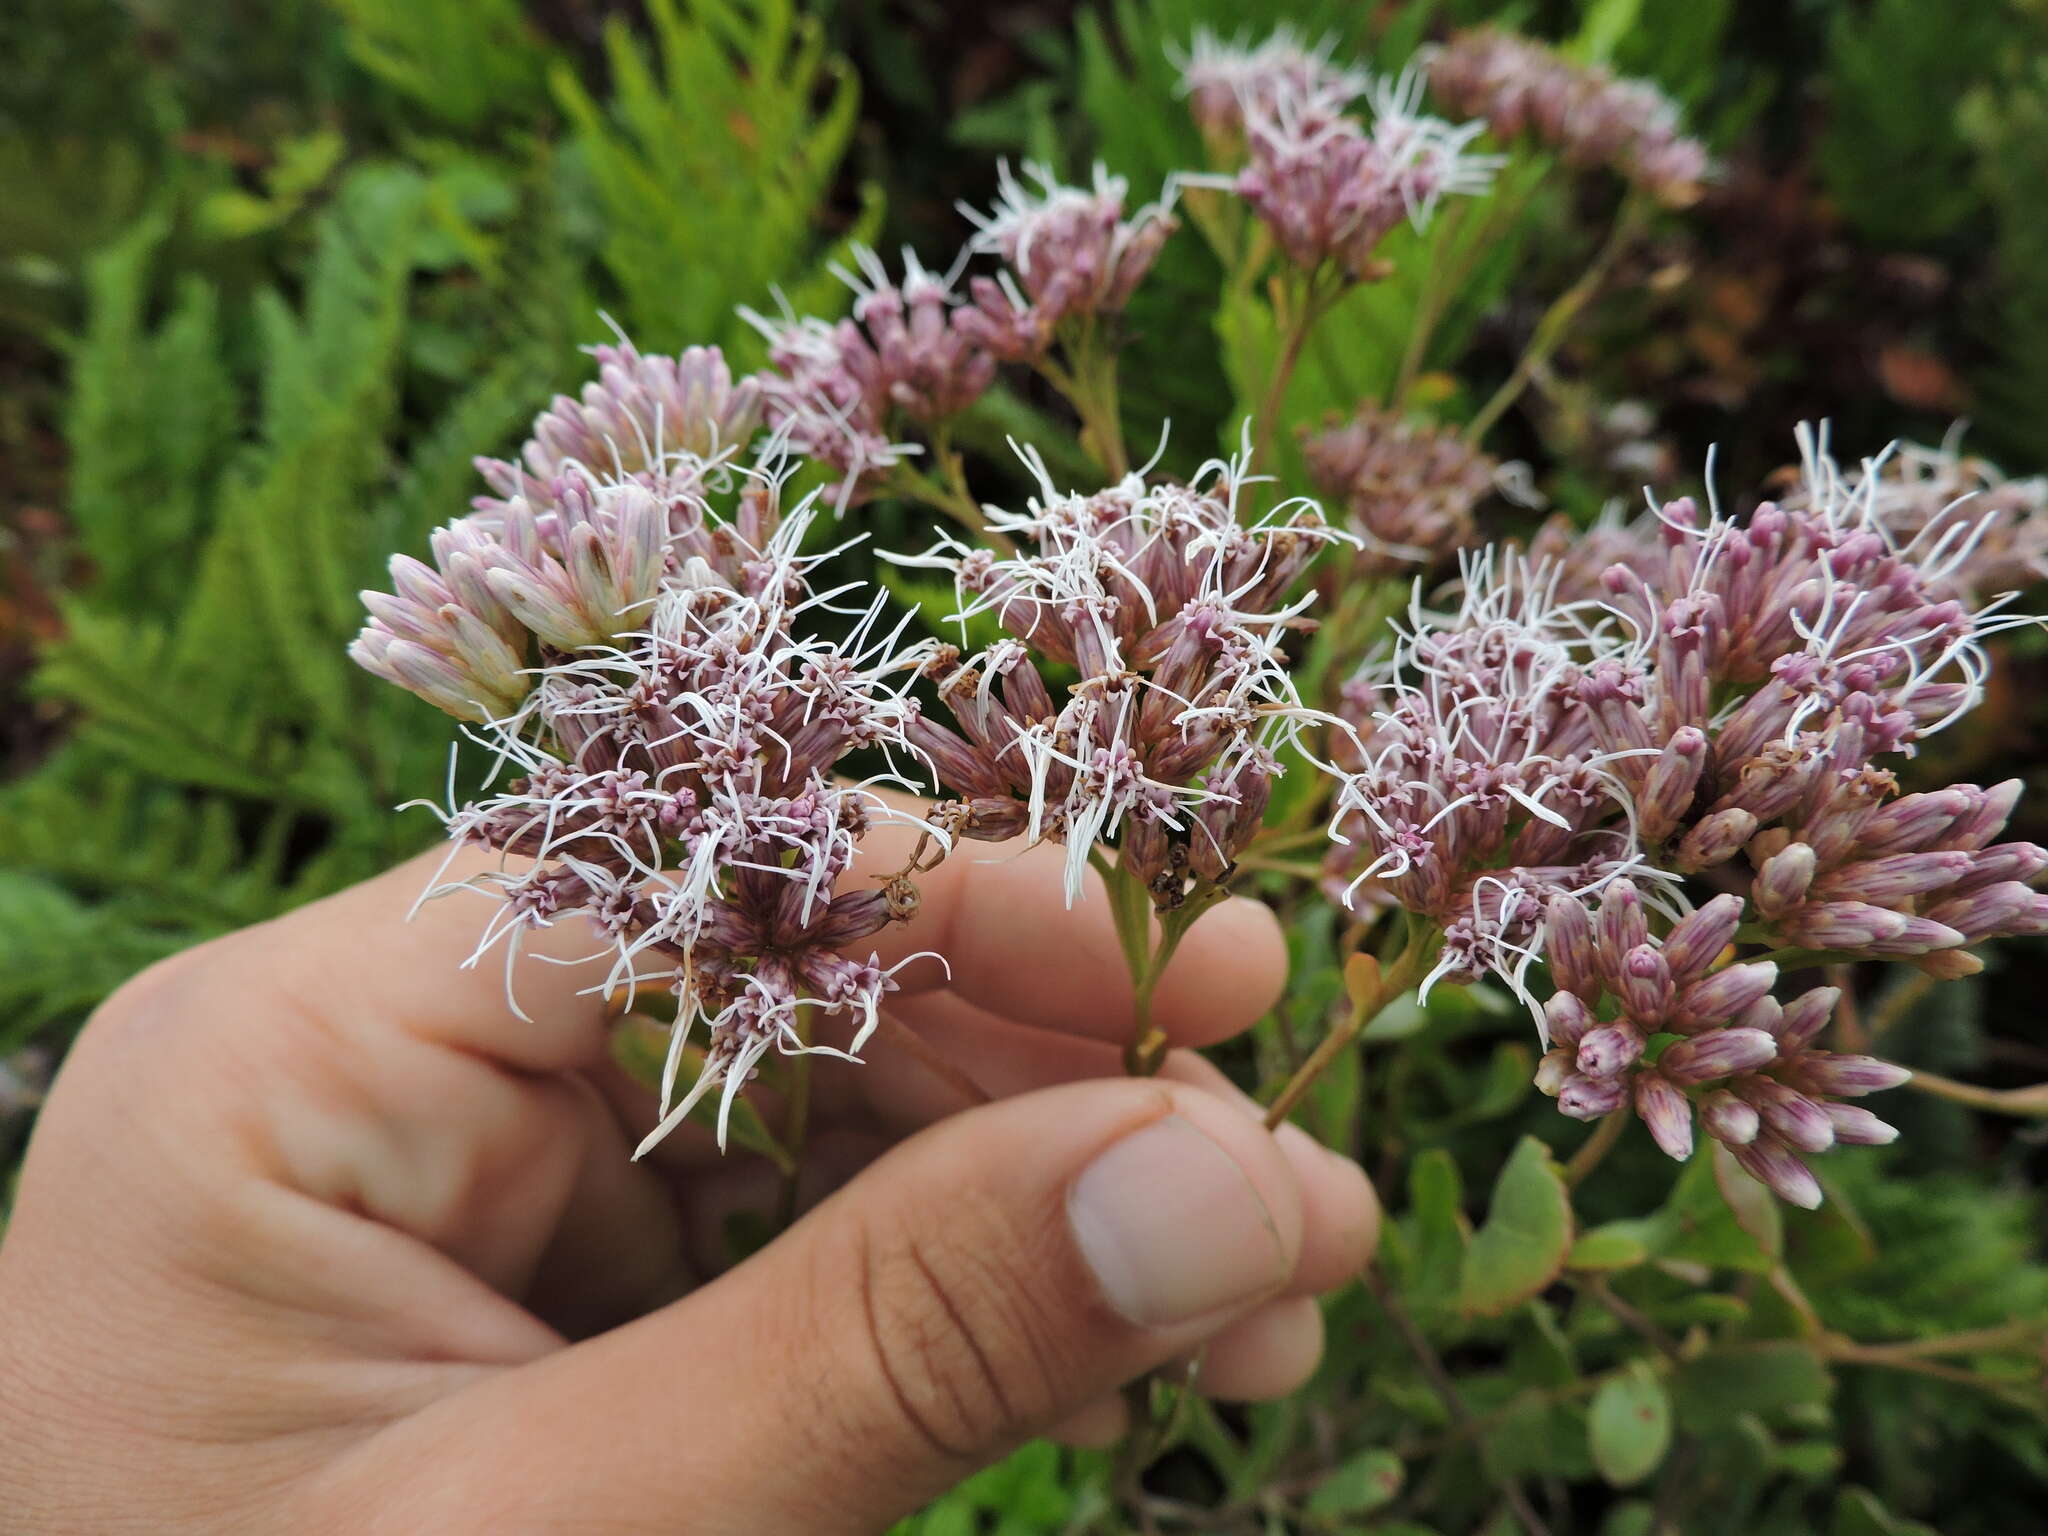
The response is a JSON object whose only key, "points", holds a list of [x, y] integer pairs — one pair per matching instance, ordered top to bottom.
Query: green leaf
{"points": [[1436, 1197], [1696, 1226], [1617, 1245], [1521, 1248], [1725, 1384], [1629, 1425], [1361, 1484], [1859, 1512]]}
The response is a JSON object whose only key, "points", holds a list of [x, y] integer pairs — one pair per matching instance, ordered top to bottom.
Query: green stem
{"points": [[1429, 304], [1297, 320], [1557, 320], [952, 500], [1388, 982], [1593, 1151]]}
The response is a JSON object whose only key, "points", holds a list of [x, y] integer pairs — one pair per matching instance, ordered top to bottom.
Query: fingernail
{"points": [[1172, 1227]]}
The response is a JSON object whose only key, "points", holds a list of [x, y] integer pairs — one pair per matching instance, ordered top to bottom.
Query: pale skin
{"points": [[316, 1236]]}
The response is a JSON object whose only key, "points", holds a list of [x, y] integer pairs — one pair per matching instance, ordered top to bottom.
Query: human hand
{"points": [[316, 1235]]}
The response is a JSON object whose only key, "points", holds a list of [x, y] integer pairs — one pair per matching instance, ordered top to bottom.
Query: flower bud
{"points": [[1668, 792], [1986, 816], [1913, 822], [1716, 840], [1783, 880], [1890, 881], [2006, 909], [1840, 925], [1619, 928], [1918, 936], [1697, 939], [1574, 964], [1949, 964], [1644, 985], [1725, 993], [1806, 1016], [1566, 1018], [1610, 1050], [1716, 1054], [1553, 1070], [1827, 1075], [1588, 1098], [1666, 1112], [1791, 1115], [1727, 1118], [1858, 1127], [1771, 1163]]}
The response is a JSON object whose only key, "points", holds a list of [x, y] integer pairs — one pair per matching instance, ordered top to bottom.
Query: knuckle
{"points": [[970, 1358]]}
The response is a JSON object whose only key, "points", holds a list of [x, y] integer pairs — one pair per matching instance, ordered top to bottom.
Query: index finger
{"points": [[997, 916]]}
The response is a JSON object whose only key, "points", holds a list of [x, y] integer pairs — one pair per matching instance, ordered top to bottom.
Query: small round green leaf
{"points": [[1528, 1231], [1630, 1426], [1364, 1483]]}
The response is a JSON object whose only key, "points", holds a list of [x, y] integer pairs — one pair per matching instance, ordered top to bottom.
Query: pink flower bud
{"points": [[1668, 792], [1986, 817], [1913, 822], [1716, 840], [2005, 861], [1783, 880], [1890, 881], [1998, 910], [1840, 925], [1619, 928], [1918, 936], [1697, 939], [1569, 946], [1644, 985], [1725, 993], [1806, 1016], [1566, 1019], [1610, 1050], [1717, 1054], [1827, 1075], [1588, 1098], [1666, 1112], [1789, 1114], [1727, 1118], [1858, 1127], [1771, 1163]]}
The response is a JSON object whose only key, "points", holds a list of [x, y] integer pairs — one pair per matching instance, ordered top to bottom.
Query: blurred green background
{"points": [[271, 271]]}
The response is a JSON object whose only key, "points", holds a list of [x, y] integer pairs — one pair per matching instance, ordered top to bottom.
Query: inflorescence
{"points": [[1647, 774]]}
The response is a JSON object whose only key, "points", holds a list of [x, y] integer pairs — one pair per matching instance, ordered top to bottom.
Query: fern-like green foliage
{"points": [[463, 62], [2009, 126], [1893, 157], [712, 163]]}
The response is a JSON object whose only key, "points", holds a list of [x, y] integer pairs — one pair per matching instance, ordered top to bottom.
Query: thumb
{"points": [[982, 1282]]}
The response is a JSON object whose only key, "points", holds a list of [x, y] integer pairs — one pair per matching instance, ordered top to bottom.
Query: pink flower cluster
{"points": [[1518, 86], [1070, 254], [837, 390], [1410, 489], [1171, 612], [644, 671], [1726, 707], [1681, 1034]]}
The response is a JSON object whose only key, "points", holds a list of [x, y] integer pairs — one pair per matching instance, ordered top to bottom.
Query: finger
{"points": [[999, 917], [378, 951], [1340, 1211], [617, 1250], [985, 1281], [1269, 1354], [1096, 1427]]}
